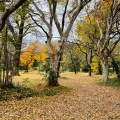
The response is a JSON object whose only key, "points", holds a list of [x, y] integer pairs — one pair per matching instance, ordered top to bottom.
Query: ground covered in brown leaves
{"points": [[86, 101]]}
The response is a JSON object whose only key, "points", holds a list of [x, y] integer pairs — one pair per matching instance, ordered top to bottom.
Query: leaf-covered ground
{"points": [[86, 101]]}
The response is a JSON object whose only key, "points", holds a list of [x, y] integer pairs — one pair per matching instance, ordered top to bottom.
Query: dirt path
{"points": [[87, 101]]}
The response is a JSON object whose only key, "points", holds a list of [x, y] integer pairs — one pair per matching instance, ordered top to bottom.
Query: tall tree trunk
{"points": [[17, 44], [90, 59], [16, 60], [6, 63], [88, 63], [115, 67], [58, 68], [99, 68], [0, 69], [6, 70], [90, 70], [105, 70], [53, 73], [53, 79]]}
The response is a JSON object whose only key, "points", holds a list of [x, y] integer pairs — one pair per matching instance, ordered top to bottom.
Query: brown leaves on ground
{"points": [[87, 101]]}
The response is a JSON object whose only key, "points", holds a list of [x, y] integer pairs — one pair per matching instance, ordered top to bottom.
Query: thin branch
{"points": [[54, 2], [73, 9], [42, 14], [75, 14], [63, 19], [38, 25]]}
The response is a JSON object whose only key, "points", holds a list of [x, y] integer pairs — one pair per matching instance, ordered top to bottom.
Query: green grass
{"points": [[112, 82], [51, 91], [20, 92], [17, 93]]}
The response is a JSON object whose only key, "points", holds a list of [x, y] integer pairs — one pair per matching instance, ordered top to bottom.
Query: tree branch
{"points": [[54, 2], [73, 9], [8, 11], [42, 14], [75, 14], [63, 19], [38, 25]]}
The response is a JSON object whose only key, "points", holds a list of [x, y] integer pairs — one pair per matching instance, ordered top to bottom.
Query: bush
{"points": [[85, 68]]}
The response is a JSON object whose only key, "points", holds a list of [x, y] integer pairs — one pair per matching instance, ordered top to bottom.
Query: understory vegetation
{"points": [[112, 82], [23, 89], [18, 93]]}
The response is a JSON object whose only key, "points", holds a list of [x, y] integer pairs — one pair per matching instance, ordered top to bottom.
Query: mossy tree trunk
{"points": [[18, 45], [16, 61], [53, 73], [6, 76]]}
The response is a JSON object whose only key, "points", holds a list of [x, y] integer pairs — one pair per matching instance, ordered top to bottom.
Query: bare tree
{"points": [[65, 30], [56, 55]]}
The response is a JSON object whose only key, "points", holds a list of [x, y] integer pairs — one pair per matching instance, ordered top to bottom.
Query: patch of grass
{"points": [[25, 80], [112, 82], [51, 91], [19, 92], [23, 92]]}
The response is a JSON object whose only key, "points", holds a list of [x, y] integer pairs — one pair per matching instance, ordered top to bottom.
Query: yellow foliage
{"points": [[35, 51], [95, 64]]}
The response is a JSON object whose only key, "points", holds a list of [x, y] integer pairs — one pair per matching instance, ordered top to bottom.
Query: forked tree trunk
{"points": [[105, 71]]}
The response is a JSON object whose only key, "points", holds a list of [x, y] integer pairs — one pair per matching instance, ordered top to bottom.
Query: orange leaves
{"points": [[35, 51]]}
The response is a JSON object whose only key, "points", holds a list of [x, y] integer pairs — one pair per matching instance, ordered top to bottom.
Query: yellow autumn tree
{"points": [[35, 51]]}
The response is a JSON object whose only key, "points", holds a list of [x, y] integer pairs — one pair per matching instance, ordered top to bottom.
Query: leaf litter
{"points": [[86, 101]]}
